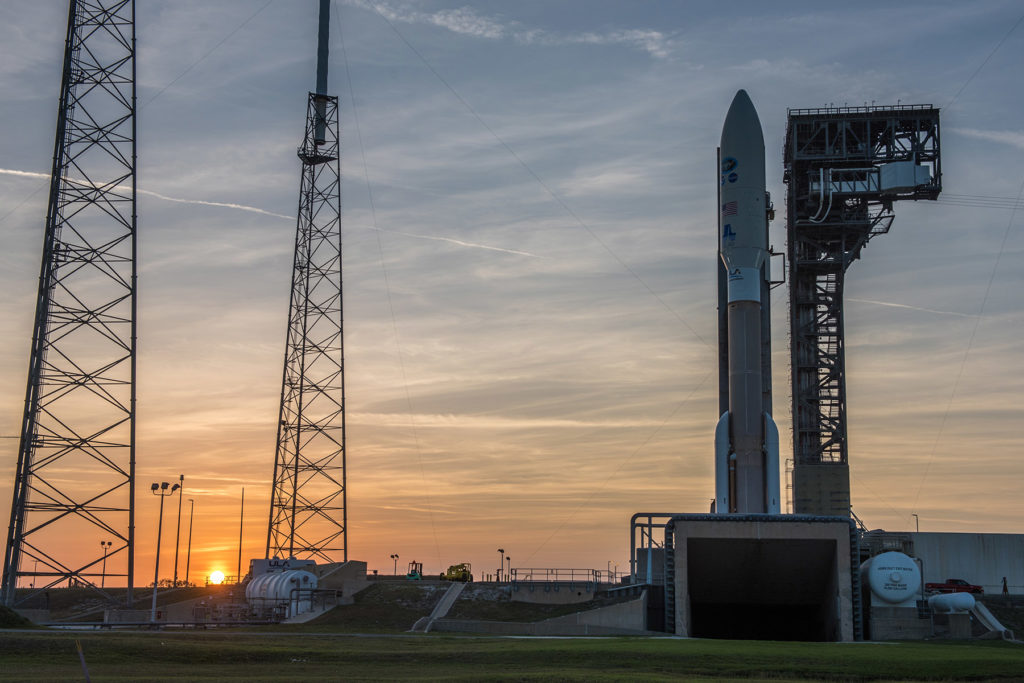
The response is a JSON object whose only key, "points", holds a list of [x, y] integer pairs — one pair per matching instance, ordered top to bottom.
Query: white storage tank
{"points": [[894, 579], [288, 589], [951, 602]]}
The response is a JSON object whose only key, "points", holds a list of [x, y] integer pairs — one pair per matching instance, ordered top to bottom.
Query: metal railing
{"points": [[860, 109], [553, 574], [300, 601]]}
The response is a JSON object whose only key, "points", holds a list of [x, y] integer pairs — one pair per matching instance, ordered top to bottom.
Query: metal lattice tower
{"points": [[844, 168], [74, 482], [308, 514]]}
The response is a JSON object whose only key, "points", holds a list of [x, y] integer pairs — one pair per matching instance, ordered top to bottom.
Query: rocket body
{"points": [[746, 439]]}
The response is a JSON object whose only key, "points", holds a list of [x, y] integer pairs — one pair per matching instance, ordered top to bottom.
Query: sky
{"points": [[529, 224]]}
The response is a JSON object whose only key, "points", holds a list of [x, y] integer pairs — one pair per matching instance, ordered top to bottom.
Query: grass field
{"points": [[268, 656]]}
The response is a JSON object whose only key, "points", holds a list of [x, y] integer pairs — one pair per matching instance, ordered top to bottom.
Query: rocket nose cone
{"points": [[742, 116]]}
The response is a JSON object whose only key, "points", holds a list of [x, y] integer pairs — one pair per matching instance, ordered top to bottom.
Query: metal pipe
{"points": [[321, 47], [320, 131]]}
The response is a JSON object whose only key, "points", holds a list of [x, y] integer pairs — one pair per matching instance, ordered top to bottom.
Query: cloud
{"points": [[464, 20], [467, 21], [654, 43], [1010, 138], [24, 174], [150, 193], [225, 205], [255, 209], [461, 243], [912, 308], [493, 422]]}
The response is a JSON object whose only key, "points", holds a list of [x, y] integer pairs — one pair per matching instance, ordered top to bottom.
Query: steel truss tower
{"points": [[844, 168], [74, 481], [308, 514]]}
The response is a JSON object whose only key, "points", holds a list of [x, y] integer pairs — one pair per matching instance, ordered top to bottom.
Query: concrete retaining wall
{"points": [[348, 577], [553, 592], [628, 615], [36, 616], [130, 616], [623, 619], [898, 623], [510, 628]]}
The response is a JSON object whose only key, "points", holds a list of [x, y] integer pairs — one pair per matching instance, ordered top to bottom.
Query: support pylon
{"points": [[74, 481]]}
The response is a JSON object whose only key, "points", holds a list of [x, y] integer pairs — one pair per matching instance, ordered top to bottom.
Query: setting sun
{"points": [[217, 577]]}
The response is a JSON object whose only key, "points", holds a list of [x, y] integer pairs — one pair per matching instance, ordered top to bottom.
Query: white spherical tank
{"points": [[893, 577], [952, 602]]}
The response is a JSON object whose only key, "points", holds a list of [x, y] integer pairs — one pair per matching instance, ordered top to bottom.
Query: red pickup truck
{"points": [[953, 586]]}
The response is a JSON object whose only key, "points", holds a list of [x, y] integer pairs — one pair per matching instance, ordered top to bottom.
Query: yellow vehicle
{"points": [[459, 572]]}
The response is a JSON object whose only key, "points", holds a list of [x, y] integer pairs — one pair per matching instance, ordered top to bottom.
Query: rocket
{"points": [[746, 438]]}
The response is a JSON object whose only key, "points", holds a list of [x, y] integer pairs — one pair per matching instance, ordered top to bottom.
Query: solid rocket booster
{"points": [[746, 438]]}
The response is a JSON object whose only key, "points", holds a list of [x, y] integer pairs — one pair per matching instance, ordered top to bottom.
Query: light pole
{"points": [[161, 490], [241, 520], [917, 522], [177, 534], [188, 555], [395, 558], [501, 564], [509, 574], [103, 577]]}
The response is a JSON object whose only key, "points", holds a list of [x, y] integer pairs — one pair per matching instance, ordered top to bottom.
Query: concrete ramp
{"points": [[441, 609], [308, 616], [989, 621]]}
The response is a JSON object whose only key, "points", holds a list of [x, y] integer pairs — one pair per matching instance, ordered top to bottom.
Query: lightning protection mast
{"points": [[74, 480], [308, 517]]}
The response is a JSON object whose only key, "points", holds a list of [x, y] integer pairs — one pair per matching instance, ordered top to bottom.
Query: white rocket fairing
{"points": [[746, 438]]}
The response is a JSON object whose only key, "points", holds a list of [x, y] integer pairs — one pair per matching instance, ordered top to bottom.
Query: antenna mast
{"points": [[308, 514]]}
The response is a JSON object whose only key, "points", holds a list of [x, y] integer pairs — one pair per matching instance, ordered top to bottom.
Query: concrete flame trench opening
{"points": [[763, 577], [762, 589]]}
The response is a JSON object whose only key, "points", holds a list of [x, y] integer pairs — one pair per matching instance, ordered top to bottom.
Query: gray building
{"points": [[982, 559]]}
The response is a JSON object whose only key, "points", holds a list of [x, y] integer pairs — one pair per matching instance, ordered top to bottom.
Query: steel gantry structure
{"points": [[844, 168], [75, 474], [308, 515]]}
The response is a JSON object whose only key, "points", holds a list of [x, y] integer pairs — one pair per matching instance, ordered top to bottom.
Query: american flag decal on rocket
{"points": [[729, 209]]}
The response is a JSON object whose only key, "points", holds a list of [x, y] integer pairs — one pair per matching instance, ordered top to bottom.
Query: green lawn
{"points": [[268, 656]]}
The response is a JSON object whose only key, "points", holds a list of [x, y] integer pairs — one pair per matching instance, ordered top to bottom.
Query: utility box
{"points": [[903, 176]]}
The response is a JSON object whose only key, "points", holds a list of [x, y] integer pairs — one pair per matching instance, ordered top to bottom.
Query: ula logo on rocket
{"points": [[729, 165]]}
